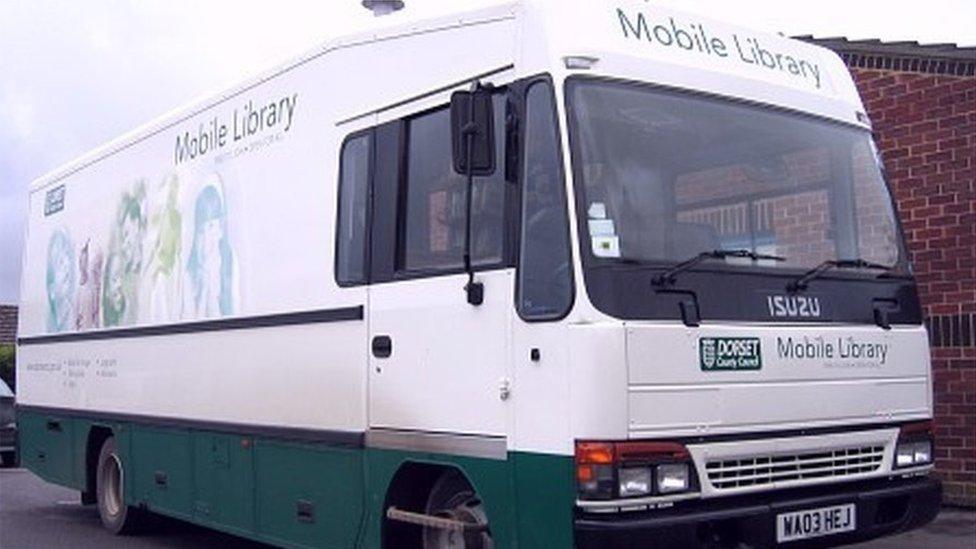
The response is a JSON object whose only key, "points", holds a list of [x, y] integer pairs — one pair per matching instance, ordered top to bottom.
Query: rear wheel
{"points": [[453, 497], [116, 516]]}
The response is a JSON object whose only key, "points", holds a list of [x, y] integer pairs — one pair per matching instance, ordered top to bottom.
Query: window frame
{"points": [[521, 106], [370, 134], [508, 251], [901, 269]]}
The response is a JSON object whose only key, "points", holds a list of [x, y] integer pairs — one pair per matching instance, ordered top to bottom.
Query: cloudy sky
{"points": [[76, 74]]}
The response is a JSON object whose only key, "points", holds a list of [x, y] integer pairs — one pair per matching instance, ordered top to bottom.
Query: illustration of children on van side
{"points": [[123, 267], [211, 270], [60, 281], [162, 281], [87, 306]]}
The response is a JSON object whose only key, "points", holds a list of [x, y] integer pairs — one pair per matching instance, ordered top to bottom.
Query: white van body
{"points": [[179, 283]]}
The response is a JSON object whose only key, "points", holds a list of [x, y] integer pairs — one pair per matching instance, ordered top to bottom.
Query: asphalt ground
{"points": [[35, 514]]}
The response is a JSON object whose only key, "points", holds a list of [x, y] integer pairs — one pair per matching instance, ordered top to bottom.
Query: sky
{"points": [[74, 75]]}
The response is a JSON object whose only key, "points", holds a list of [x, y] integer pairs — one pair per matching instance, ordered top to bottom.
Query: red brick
{"points": [[934, 185]]}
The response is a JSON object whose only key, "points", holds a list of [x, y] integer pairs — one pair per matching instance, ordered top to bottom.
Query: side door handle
{"points": [[382, 346]]}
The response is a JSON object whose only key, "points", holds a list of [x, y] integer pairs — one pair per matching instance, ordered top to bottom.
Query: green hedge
{"points": [[7, 363]]}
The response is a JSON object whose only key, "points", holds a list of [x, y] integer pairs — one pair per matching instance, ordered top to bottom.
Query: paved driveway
{"points": [[34, 513], [952, 529]]}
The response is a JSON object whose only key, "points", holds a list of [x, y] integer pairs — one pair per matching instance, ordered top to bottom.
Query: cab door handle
{"points": [[382, 346]]}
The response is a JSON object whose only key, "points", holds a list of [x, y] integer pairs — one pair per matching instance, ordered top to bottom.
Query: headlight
{"points": [[914, 446], [923, 452], [910, 454], [905, 455], [632, 469], [673, 477], [595, 481], [635, 481]]}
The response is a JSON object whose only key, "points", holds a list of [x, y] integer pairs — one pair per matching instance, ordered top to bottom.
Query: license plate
{"points": [[813, 523]]}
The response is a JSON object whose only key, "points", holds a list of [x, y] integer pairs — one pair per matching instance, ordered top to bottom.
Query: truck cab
{"points": [[746, 355]]}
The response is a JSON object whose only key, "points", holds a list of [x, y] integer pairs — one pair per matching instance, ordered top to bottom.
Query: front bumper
{"points": [[883, 507]]}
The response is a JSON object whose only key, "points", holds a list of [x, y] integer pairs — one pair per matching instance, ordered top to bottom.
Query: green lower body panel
{"points": [[48, 446], [159, 469], [285, 493], [295, 494], [309, 495], [545, 496]]}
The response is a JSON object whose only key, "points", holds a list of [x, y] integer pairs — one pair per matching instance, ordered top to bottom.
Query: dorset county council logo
{"points": [[729, 353], [707, 354]]}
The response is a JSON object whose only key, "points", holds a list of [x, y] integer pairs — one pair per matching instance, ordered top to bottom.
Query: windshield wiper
{"points": [[829, 265], [670, 275]]}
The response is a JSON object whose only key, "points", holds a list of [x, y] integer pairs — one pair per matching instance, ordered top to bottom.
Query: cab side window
{"points": [[354, 193], [432, 200], [545, 276]]}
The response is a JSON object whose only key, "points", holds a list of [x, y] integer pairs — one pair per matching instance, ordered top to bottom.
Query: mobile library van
{"points": [[592, 274]]}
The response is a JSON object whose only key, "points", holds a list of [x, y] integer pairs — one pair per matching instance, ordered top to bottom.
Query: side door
{"points": [[438, 364]]}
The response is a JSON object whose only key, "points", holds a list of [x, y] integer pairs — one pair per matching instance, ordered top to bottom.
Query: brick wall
{"points": [[926, 125], [787, 207]]}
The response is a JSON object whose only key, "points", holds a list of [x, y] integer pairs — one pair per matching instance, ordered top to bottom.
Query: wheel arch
{"points": [[408, 489]]}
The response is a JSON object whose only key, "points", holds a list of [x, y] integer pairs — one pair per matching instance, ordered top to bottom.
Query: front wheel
{"points": [[453, 497], [116, 516]]}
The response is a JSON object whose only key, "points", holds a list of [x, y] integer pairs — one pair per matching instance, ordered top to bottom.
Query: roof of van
{"points": [[398, 24], [387, 27]]}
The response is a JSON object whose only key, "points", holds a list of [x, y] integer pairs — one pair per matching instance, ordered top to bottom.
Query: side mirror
{"points": [[472, 125], [473, 147]]}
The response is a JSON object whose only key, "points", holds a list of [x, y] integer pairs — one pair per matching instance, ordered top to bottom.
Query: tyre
{"points": [[453, 497], [117, 517]]}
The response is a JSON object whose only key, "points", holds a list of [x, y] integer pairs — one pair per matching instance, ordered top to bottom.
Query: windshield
{"points": [[664, 176]]}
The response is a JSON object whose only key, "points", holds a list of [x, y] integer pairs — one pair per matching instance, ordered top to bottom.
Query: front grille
{"points": [[771, 469]]}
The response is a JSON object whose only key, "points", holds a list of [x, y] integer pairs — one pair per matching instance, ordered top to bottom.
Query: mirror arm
{"points": [[475, 291]]}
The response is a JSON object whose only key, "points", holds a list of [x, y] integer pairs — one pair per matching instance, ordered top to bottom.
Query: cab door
{"points": [[545, 291], [437, 363]]}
